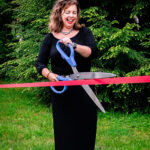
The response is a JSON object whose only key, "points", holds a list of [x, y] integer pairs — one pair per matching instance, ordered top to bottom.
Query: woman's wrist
{"points": [[74, 45], [83, 50], [47, 76]]}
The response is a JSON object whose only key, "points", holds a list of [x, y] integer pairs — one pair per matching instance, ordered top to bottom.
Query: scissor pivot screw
{"points": [[77, 76]]}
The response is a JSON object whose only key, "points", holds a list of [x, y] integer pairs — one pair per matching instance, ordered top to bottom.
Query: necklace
{"points": [[66, 33]]}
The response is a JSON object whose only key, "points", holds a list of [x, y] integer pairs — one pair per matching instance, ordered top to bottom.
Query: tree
{"points": [[30, 21], [5, 31], [123, 51]]}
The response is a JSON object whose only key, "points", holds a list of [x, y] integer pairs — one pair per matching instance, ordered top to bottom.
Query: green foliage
{"points": [[29, 25], [28, 28], [5, 36], [123, 51], [22, 64]]}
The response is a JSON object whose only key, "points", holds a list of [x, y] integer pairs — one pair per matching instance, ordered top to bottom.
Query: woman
{"points": [[74, 113]]}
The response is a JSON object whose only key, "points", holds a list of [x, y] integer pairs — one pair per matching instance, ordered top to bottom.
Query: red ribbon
{"points": [[119, 80]]}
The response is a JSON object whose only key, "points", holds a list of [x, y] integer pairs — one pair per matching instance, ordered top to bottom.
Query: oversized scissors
{"points": [[80, 75]]}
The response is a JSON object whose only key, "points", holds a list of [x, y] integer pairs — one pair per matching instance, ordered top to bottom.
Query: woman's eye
{"points": [[67, 12]]}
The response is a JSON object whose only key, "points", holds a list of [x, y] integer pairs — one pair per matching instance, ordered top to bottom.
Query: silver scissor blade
{"points": [[74, 69], [91, 75], [90, 93], [93, 97]]}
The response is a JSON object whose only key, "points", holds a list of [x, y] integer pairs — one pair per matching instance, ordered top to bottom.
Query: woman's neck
{"points": [[64, 29]]}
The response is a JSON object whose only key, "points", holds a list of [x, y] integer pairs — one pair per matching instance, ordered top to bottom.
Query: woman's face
{"points": [[69, 16]]}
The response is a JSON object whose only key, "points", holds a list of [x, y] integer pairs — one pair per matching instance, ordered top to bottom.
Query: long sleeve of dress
{"points": [[90, 42], [44, 54]]}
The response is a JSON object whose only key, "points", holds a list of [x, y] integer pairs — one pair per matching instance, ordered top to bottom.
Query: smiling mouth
{"points": [[70, 20]]}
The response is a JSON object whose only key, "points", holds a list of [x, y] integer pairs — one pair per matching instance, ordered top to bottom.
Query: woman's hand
{"points": [[66, 40], [49, 75], [52, 76]]}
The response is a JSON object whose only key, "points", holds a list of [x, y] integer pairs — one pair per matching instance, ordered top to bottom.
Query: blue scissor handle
{"points": [[70, 59], [60, 78]]}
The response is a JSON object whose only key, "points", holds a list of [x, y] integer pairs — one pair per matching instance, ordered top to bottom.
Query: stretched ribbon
{"points": [[118, 80]]}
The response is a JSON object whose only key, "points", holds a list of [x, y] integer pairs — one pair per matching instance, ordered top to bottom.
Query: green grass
{"points": [[26, 124], [118, 131]]}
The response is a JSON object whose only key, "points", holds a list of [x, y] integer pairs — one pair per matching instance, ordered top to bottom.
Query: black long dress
{"points": [[74, 113]]}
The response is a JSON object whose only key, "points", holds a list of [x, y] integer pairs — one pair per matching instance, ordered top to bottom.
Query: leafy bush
{"points": [[29, 25], [28, 29], [5, 36], [123, 51]]}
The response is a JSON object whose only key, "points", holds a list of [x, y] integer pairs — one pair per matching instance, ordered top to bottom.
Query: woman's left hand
{"points": [[66, 40], [84, 51]]}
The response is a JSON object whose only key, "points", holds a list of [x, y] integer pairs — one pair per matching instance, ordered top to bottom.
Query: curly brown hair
{"points": [[56, 23]]}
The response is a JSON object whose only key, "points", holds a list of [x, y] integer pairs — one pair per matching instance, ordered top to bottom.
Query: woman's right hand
{"points": [[52, 77]]}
